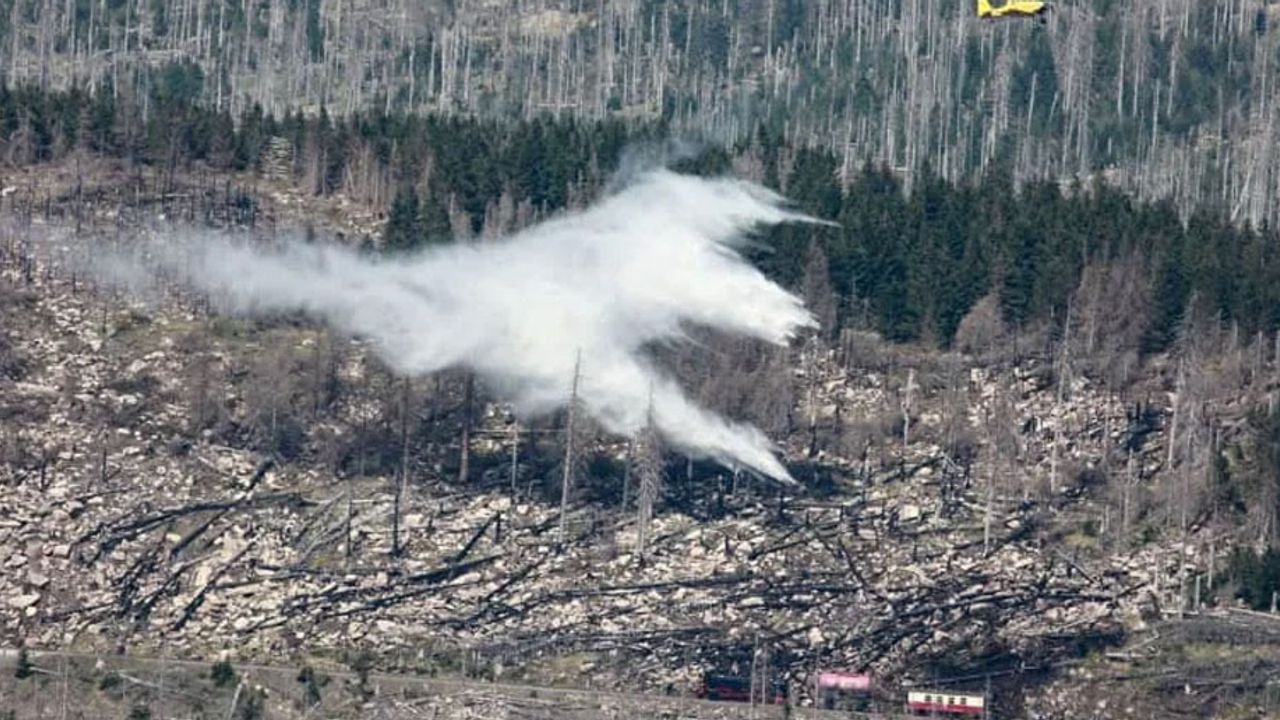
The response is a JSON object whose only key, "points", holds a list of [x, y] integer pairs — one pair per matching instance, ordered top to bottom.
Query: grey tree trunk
{"points": [[468, 402], [515, 454], [569, 459], [649, 475], [396, 547]]}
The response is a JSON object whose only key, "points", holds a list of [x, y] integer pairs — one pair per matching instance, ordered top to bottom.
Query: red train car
{"points": [[738, 689], [838, 690]]}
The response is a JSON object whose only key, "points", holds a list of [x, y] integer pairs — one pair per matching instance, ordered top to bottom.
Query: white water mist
{"points": [[632, 270]]}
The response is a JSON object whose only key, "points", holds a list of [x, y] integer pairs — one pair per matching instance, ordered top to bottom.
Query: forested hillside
{"points": [[1170, 99], [908, 264], [1081, 273], [1041, 411]]}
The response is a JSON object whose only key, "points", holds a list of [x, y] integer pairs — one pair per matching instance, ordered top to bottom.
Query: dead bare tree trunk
{"points": [[1064, 360], [811, 376], [907, 396], [468, 400], [568, 445], [361, 450], [515, 454], [626, 473], [649, 475], [1126, 498], [987, 511], [346, 529], [396, 548]]}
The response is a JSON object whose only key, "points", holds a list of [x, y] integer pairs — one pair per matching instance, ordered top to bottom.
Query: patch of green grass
{"points": [[127, 323], [228, 328], [1080, 539]]}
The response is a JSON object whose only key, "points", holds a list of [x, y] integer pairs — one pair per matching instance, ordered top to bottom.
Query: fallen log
{"points": [[316, 517], [129, 530], [196, 532], [475, 538], [429, 580], [128, 582], [194, 604], [141, 611]]}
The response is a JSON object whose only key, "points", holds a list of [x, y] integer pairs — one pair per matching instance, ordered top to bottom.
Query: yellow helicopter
{"points": [[1014, 9]]}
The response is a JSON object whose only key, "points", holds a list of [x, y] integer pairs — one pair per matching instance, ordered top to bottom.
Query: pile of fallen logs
{"points": [[115, 534], [835, 584]]}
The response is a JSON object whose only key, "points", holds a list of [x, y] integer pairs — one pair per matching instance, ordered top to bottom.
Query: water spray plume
{"points": [[634, 269]]}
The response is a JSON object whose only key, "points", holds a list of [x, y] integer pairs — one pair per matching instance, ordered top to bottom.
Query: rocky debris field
{"points": [[969, 539], [1215, 663]]}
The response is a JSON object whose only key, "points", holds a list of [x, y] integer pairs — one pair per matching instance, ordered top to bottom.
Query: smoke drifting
{"points": [[657, 254]]}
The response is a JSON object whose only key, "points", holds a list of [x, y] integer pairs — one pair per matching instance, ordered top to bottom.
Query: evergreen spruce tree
{"points": [[433, 220], [403, 232]]}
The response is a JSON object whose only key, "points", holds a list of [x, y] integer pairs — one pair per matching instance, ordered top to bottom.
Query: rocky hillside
{"points": [[187, 483]]}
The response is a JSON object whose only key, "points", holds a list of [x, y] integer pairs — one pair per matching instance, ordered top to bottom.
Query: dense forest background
{"points": [[1173, 99], [910, 265]]}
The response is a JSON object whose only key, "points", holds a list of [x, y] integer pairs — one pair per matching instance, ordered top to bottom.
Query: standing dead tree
{"points": [[1062, 371], [811, 372], [907, 404], [468, 412], [1003, 451], [515, 453], [569, 457], [647, 458], [403, 480]]}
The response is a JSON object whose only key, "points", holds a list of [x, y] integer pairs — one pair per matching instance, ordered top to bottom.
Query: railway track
{"points": [[666, 706]]}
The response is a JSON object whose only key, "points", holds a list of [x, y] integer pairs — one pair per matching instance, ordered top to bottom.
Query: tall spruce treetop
{"points": [[403, 232]]}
